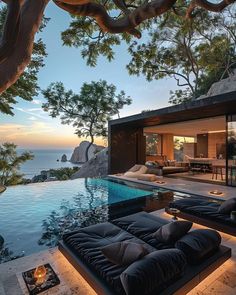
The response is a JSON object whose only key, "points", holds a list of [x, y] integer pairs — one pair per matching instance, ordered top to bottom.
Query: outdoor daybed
{"points": [[140, 172], [209, 212], [168, 266]]}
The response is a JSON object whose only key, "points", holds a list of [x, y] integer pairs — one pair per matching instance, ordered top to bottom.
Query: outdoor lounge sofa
{"points": [[206, 212], [167, 268]]}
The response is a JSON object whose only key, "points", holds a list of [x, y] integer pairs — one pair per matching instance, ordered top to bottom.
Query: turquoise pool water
{"points": [[33, 217]]}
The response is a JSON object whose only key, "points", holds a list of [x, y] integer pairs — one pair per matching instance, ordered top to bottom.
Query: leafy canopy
{"points": [[195, 52], [26, 86], [10, 164]]}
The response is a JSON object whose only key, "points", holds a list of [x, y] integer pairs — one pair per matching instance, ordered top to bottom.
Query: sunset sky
{"points": [[31, 127]]}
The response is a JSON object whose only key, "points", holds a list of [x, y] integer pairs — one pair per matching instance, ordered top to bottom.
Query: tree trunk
{"points": [[11, 68], [88, 147]]}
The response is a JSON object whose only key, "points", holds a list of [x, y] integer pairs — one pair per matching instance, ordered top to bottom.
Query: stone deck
{"points": [[220, 282]]}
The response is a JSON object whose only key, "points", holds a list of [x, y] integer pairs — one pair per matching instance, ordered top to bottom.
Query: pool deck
{"points": [[187, 186], [220, 282]]}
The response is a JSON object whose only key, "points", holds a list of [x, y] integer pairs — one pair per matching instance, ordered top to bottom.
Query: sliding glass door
{"points": [[231, 150]]}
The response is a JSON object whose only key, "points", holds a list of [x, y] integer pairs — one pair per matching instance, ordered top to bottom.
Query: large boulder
{"points": [[222, 86], [79, 153], [64, 158], [95, 167]]}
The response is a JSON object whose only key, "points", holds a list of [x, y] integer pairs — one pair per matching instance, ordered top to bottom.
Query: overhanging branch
{"points": [[214, 7], [127, 23]]}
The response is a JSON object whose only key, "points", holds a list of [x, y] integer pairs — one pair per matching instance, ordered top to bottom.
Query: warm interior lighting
{"points": [[216, 193], [40, 274]]}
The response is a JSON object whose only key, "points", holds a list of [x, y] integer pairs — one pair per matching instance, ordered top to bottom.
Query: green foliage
{"points": [[85, 34], [196, 53], [26, 87], [88, 111], [10, 164], [63, 173]]}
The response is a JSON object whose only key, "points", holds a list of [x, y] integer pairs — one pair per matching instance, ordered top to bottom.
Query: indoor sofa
{"points": [[207, 211], [172, 267]]}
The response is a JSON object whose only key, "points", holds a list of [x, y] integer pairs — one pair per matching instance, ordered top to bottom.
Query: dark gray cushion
{"points": [[227, 206], [171, 232], [199, 244], [124, 253], [153, 272]]}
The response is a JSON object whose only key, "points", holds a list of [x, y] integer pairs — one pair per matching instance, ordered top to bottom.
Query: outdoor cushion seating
{"points": [[134, 173], [147, 177], [205, 212], [163, 270]]}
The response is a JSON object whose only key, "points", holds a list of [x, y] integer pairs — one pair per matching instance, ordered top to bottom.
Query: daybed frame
{"points": [[194, 274]]}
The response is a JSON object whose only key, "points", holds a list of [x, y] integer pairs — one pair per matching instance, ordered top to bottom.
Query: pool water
{"points": [[33, 217]]}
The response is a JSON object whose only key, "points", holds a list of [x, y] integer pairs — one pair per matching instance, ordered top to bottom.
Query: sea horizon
{"points": [[45, 159]]}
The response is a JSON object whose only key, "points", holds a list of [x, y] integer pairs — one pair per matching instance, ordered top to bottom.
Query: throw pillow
{"points": [[135, 168], [227, 206], [171, 232], [124, 253]]}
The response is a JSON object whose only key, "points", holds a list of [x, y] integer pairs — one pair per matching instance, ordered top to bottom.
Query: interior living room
{"points": [[196, 140], [194, 149]]}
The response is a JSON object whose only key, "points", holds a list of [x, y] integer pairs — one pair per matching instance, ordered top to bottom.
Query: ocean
{"points": [[45, 159]]}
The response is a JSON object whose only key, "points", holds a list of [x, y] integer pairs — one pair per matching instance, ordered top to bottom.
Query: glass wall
{"points": [[153, 144], [231, 150]]}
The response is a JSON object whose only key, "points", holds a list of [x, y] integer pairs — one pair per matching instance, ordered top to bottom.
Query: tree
{"points": [[24, 18], [196, 54], [26, 86], [87, 111], [10, 164]]}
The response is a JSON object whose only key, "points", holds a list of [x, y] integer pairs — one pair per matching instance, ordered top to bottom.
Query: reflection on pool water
{"points": [[34, 217]]}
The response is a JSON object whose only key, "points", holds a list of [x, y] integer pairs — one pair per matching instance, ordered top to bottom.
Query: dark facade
{"points": [[127, 143]]}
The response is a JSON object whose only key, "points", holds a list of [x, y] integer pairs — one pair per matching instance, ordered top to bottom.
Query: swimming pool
{"points": [[33, 217]]}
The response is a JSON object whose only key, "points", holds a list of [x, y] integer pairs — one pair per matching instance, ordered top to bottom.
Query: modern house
{"points": [[199, 134]]}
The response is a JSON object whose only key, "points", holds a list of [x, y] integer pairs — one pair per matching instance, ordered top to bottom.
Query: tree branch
{"points": [[214, 7], [127, 23], [11, 29], [11, 68]]}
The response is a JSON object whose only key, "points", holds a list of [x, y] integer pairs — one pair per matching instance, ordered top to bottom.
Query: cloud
{"points": [[36, 101], [34, 112], [32, 118], [14, 132]]}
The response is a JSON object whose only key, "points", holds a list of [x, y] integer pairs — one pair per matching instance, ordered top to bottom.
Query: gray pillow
{"points": [[227, 206], [171, 232], [124, 253]]}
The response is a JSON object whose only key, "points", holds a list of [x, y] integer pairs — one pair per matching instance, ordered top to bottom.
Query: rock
{"points": [[222, 86], [79, 152], [64, 158], [95, 167], [1, 241]]}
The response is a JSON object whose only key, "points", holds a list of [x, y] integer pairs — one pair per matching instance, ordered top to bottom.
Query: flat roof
{"points": [[203, 108]]}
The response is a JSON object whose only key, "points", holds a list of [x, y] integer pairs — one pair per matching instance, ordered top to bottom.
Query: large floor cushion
{"points": [[207, 209], [143, 225], [87, 243]]}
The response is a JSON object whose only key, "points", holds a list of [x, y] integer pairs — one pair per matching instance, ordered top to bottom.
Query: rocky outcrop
{"points": [[222, 86], [79, 156], [64, 158], [97, 166]]}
